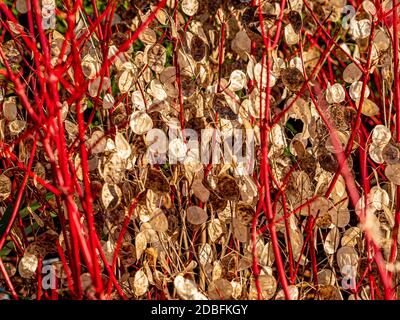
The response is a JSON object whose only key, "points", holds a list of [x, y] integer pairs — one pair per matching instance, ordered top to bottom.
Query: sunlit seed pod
{"points": [[190, 7], [369, 7], [360, 29], [148, 36], [291, 37], [381, 40], [155, 56], [89, 67], [352, 73], [237, 80], [125, 81], [157, 90], [355, 90], [335, 93], [108, 101], [369, 108], [140, 122], [16, 126], [381, 135], [97, 142], [122, 146], [177, 149], [391, 153], [5, 187], [111, 196], [378, 197], [196, 215], [159, 221], [215, 229], [351, 236], [332, 241], [140, 244], [205, 254], [346, 256], [27, 265], [140, 283], [268, 286], [187, 289], [220, 289]]}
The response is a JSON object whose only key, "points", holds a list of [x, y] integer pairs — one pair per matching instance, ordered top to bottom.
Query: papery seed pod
{"points": [[190, 7], [295, 20], [198, 48], [352, 73], [292, 78], [355, 90], [335, 93], [10, 110], [140, 122], [391, 153], [392, 172], [5, 187], [111, 196], [196, 215], [27, 265], [140, 283], [268, 286], [187, 289], [220, 289]]}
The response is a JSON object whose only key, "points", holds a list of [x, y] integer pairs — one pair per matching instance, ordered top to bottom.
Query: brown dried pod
{"points": [[295, 20], [198, 48], [292, 78], [391, 153], [392, 172], [156, 181], [228, 188], [245, 213], [196, 215], [328, 292]]}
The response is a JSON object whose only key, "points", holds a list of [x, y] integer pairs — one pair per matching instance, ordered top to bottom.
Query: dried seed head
{"points": [[190, 7], [198, 48], [352, 73], [292, 78], [355, 90], [335, 93], [140, 122], [391, 153], [392, 172], [5, 187], [196, 215], [28, 265], [268, 286]]}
